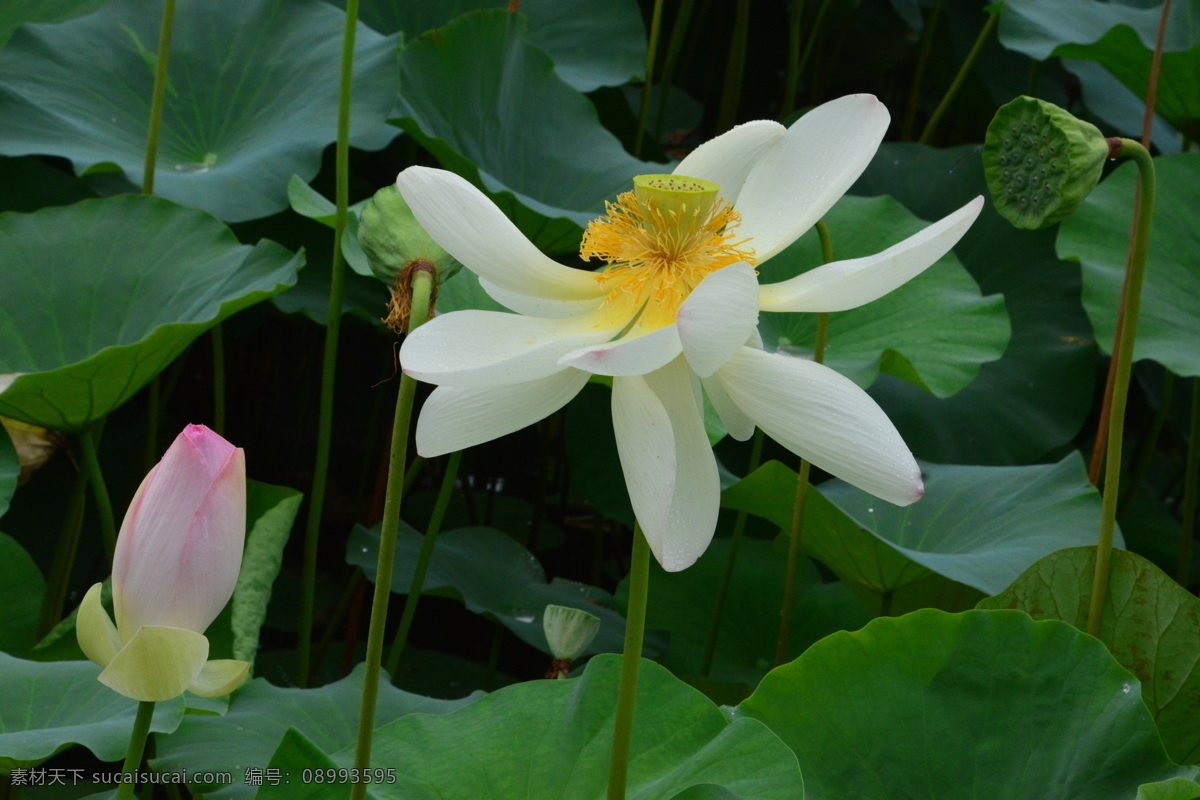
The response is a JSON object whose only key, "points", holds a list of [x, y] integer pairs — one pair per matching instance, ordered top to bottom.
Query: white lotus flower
{"points": [[675, 309]]}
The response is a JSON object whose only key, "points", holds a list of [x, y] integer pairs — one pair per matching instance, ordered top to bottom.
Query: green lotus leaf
{"points": [[16, 13], [593, 43], [251, 98], [543, 156], [1097, 236], [100, 296], [936, 331], [1036, 397], [978, 526], [493, 574], [20, 597], [1150, 623], [984, 705], [47, 707], [260, 714], [564, 727]]}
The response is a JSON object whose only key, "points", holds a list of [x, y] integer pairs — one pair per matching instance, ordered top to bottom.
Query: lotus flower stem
{"points": [[678, 31], [791, 81], [648, 83], [956, 84], [731, 92], [914, 93], [156, 101], [1126, 148], [422, 286], [337, 287], [218, 356], [1145, 455], [91, 463], [1190, 488], [797, 529], [735, 543], [64, 556], [418, 580], [631, 664], [137, 746]]}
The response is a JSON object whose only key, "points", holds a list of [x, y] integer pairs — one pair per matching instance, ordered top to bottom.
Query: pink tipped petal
{"points": [[728, 159], [808, 170], [471, 228], [848, 284], [539, 306], [718, 316], [483, 349], [635, 355], [823, 417], [455, 419], [736, 423], [211, 447], [670, 471], [212, 555]]}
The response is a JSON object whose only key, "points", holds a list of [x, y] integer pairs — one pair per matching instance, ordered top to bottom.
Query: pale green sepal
{"points": [[97, 635], [158, 663], [220, 677]]}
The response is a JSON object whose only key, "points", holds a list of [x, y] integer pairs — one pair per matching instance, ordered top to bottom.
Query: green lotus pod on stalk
{"points": [[1041, 162], [391, 237]]}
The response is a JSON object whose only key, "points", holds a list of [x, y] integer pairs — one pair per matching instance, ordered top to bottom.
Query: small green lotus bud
{"points": [[1041, 162], [391, 237], [569, 631]]}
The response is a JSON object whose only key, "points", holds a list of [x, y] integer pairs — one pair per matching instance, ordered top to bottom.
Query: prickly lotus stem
{"points": [[1041, 162], [399, 305]]}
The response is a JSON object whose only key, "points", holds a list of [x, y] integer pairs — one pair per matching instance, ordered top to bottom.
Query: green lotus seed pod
{"points": [[1041, 162], [391, 237], [569, 631]]}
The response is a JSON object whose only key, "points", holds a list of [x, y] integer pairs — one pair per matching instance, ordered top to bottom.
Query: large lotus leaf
{"points": [[15, 13], [1121, 38], [593, 43], [252, 97], [542, 154], [1097, 235], [100, 296], [935, 331], [1035, 398], [10, 470], [270, 512], [979, 526], [493, 574], [20, 597], [682, 604], [1150, 623], [984, 705], [45, 708], [259, 715], [552, 739], [1173, 789]]}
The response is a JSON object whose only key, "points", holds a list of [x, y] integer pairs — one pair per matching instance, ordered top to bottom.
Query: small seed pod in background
{"points": [[1041, 162], [391, 237], [569, 631]]}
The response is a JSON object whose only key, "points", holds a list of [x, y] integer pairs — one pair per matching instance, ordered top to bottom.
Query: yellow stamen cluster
{"points": [[656, 257]]}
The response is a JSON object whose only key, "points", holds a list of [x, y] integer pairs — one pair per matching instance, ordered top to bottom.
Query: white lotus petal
{"points": [[728, 159], [808, 169], [471, 228], [848, 284], [539, 306], [717, 317], [490, 348], [629, 355], [823, 417], [455, 419], [736, 423], [669, 468]]}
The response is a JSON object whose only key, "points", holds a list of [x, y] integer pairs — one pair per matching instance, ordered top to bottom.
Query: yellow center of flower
{"points": [[660, 241]]}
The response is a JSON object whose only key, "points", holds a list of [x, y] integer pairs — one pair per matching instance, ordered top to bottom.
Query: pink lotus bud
{"points": [[180, 546]]}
